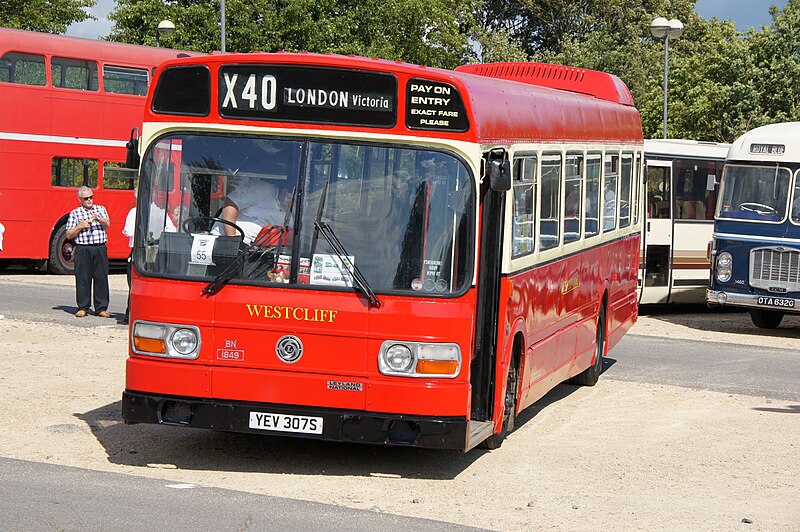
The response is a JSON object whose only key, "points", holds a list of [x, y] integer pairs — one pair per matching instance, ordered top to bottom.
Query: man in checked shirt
{"points": [[87, 227]]}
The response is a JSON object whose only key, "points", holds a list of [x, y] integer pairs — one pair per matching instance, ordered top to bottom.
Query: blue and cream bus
{"points": [[756, 242]]}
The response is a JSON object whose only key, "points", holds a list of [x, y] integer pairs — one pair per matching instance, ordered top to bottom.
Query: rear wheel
{"points": [[61, 252], [766, 319], [591, 375], [510, 411]]}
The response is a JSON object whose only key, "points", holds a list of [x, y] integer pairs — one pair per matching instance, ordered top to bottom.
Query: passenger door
{"points": [[658, 229]]}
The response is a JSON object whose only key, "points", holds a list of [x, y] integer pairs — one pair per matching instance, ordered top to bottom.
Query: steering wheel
{"points": [[759, 208], [194, 220]]}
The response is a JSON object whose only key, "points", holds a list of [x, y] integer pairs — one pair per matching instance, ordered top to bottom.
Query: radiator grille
{"points": [[775, 269]]}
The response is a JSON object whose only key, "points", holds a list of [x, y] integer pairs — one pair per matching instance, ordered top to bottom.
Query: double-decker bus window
{"points": [[23, 69], [74, 74], [125, 80], [68, 172], [117, 177], [625, 190], [573, 192], [610, 200], [550, 202], [523, 222], [591, 224]]}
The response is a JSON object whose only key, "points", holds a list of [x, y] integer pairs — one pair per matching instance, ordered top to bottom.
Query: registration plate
{"points": [[782, 302], [285, 423]]}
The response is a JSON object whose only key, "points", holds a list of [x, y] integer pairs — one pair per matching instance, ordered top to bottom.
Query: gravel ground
{"points": [[618, 455]]}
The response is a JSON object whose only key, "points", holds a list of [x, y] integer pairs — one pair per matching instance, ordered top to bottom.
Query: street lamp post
{"points": [[222, 25], [165, 27], [662, 28]]}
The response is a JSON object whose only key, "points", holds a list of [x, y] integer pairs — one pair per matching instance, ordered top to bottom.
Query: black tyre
{"points": [[61, 250], [766, 319], [591, 375], [510, 411]]}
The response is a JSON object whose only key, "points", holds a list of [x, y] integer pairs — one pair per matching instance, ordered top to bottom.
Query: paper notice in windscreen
{"points": [[203, 249], [330, 270]]}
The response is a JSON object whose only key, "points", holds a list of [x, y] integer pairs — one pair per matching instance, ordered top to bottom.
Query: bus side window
{"points": [[23, 69], [74, 74], [524, 186], [625, 190], [573, 192], [610, 199], [550, 202], [591, 225]]}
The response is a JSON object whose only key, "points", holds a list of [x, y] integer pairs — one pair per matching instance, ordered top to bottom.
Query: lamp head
{"points": [[165, 27], [659, 27], [675, 28]]}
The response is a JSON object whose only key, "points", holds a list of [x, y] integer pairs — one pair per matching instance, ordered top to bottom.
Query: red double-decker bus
{"points": [[69, 105], [416, 255]]}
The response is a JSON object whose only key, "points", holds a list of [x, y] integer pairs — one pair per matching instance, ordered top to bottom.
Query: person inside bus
{"points": [[254, 205], [610, 207], [87, 226]]}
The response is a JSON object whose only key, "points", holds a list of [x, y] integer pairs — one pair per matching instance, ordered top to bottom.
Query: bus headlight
{"points": [[724, 267], [165, 340], [184, 341], [399, 359], [417, 359]]}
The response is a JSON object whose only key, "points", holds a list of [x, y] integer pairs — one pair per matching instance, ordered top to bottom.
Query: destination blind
{"points": [[308, 94]]}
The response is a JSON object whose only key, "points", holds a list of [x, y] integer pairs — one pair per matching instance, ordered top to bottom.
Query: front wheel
{"points": [[62, 250], [766, 319], [591, 375], [510, 411]]}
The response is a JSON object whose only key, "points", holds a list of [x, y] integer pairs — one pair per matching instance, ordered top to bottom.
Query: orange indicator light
{"points": [[149, 345], [437, 367]]}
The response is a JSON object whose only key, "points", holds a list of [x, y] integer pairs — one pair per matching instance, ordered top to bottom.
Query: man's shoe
{"points": [[81, 313], [103, 314]]}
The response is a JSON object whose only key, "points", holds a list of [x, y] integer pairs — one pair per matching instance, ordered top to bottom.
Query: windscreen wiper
{"points": [[261, 245], [258, 248], [361, 282]]}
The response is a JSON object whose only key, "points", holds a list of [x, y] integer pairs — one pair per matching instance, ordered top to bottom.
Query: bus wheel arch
{"points": [[59, 258], [766, 319], [591, 375], [511, 396]]}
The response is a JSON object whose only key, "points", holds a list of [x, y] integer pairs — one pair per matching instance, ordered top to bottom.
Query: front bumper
{"points": [[778, 303], [338, 425]]}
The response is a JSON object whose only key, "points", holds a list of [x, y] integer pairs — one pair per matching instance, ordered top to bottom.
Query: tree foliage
{"points": [[48, 16], [430, 32], [722, 82]]}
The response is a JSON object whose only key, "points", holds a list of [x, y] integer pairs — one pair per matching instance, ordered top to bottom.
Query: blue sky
{"points": [[746, 14]]}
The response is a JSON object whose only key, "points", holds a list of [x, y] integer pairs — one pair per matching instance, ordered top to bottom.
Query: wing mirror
{"points": [[132, 146], [500, 174]]}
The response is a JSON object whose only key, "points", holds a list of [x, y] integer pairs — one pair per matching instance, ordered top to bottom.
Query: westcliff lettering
{"points": [[280, 312]]}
